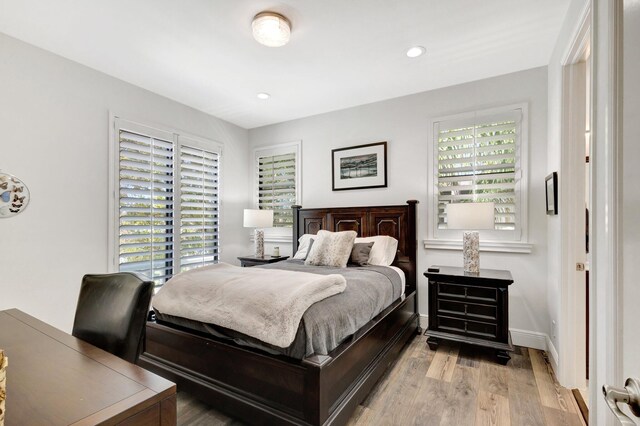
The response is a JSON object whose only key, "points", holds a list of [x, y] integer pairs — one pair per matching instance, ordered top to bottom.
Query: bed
{"points": [[260, 387]]}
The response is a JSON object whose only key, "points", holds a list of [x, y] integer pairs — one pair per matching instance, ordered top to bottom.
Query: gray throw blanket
{"points": [[266, 305], [326, 324]]}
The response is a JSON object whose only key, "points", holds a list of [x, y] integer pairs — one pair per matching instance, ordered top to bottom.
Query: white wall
{"points": [[565, 38], [54, 116], [403, 122]]}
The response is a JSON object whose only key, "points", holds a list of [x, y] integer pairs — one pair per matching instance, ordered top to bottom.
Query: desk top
{"points": [[55, 378]]}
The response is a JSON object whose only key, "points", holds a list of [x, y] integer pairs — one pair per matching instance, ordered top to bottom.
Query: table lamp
{"points": [[471, 217], [258, 219]]}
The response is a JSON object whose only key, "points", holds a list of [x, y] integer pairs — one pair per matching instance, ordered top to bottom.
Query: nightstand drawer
{"points": [[249, 263], [459, 291], [468, 310], [467, 327], [482, 329]]}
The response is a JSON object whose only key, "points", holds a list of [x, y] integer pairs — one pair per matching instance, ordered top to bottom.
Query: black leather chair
{"points": [[112, 312]]}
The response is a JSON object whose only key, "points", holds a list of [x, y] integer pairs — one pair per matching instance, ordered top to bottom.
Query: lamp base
{"points": [[258, 242], [471, 251]]}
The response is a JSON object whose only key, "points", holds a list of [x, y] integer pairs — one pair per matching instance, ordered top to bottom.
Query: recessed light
{"points": [[416, 51], [263, 96]]}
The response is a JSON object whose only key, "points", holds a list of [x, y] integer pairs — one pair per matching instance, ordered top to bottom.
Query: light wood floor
{"points": [[457, 385]]}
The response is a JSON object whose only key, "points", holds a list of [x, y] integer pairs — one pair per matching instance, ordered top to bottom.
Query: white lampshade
{"points": [[271, 29], [471, 216], [258, 218]]}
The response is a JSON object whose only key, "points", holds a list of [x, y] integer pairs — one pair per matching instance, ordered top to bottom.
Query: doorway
{"points": [[574, 209]]}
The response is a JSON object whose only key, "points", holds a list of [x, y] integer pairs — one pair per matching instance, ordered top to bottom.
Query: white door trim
{"points": [[572, 329], [606, 363]]}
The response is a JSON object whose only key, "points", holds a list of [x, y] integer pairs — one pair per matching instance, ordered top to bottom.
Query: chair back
{"points": [[112, 311]]}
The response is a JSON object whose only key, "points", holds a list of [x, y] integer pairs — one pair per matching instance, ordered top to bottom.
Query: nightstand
{"points": [[247, 261], [470, 308]]}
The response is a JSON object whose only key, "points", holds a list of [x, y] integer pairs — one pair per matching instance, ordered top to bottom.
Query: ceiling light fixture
{"points": [[271, 29], [416, 51], [263, 96]]}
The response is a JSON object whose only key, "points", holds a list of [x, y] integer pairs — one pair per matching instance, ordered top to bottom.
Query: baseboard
{"points": [[424, 321], [529, 339], [553, 355]]}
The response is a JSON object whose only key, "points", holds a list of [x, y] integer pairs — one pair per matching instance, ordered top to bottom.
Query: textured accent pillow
{"points": [[304, 244], [331, 249], [384, 250], [360, 254]]}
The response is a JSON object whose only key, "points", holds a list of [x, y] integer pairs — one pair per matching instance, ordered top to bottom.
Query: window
{"points": [[481, 157], [278, 182], [165, 201], [199, 217]]}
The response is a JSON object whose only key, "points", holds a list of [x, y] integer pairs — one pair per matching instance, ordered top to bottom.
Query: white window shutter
{"points": [[477, 160], [276, 175], [166, 201], [146, 205], [199, 207]]}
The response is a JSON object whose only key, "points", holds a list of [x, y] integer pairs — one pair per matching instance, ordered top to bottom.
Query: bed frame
{"points": [[321, 389]]}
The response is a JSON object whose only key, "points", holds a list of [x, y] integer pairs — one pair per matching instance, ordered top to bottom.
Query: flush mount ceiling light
{"points": [[271, 29], [416, 51], [263, 96]]}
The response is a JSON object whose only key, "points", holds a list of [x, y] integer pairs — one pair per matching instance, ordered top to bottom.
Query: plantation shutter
{"points": [[478, 162], [277, 186], [146, 203], [199, 207]]}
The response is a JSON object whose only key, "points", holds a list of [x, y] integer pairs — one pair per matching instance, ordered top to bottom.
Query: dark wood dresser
{"points": [[470, 308]]}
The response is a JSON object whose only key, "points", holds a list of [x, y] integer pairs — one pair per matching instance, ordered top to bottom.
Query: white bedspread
{"points": [[267, 304]]}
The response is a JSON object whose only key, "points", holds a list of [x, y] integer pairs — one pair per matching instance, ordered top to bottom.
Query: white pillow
{"points": [[303, 246], [331, 249], [383, 251]]}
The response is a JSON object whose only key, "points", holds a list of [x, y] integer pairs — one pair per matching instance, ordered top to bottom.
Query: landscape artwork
{"points": [[360, 167]]}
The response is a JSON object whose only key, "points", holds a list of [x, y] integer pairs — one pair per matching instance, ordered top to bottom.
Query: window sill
{"points": [[494, 246]]}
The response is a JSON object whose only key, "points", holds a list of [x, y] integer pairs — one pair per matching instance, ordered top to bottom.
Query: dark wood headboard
{"points": [[398, 222]]}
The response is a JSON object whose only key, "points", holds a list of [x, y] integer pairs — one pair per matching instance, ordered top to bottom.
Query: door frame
{"points": [[606, 144], [572, 329]]}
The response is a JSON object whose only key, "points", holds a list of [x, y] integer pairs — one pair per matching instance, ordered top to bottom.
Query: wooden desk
{"points": [[54, 378]]}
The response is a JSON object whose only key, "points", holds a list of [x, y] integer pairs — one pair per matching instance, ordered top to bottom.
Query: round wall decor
{"points": [[14, 195]]}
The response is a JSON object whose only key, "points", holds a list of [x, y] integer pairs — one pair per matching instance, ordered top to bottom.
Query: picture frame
{"points": [[359, 167], [551, 192], [14, 195]]}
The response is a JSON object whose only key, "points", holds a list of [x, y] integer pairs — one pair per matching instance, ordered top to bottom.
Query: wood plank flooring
{"points": [[458, 385]]}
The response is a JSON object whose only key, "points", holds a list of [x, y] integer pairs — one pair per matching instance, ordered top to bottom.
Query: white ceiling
{"points": [[342, 52]]}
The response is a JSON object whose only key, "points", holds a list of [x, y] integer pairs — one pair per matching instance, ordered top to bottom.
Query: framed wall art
{"points": [[360, 167], [551, 190], [14, 195]]}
